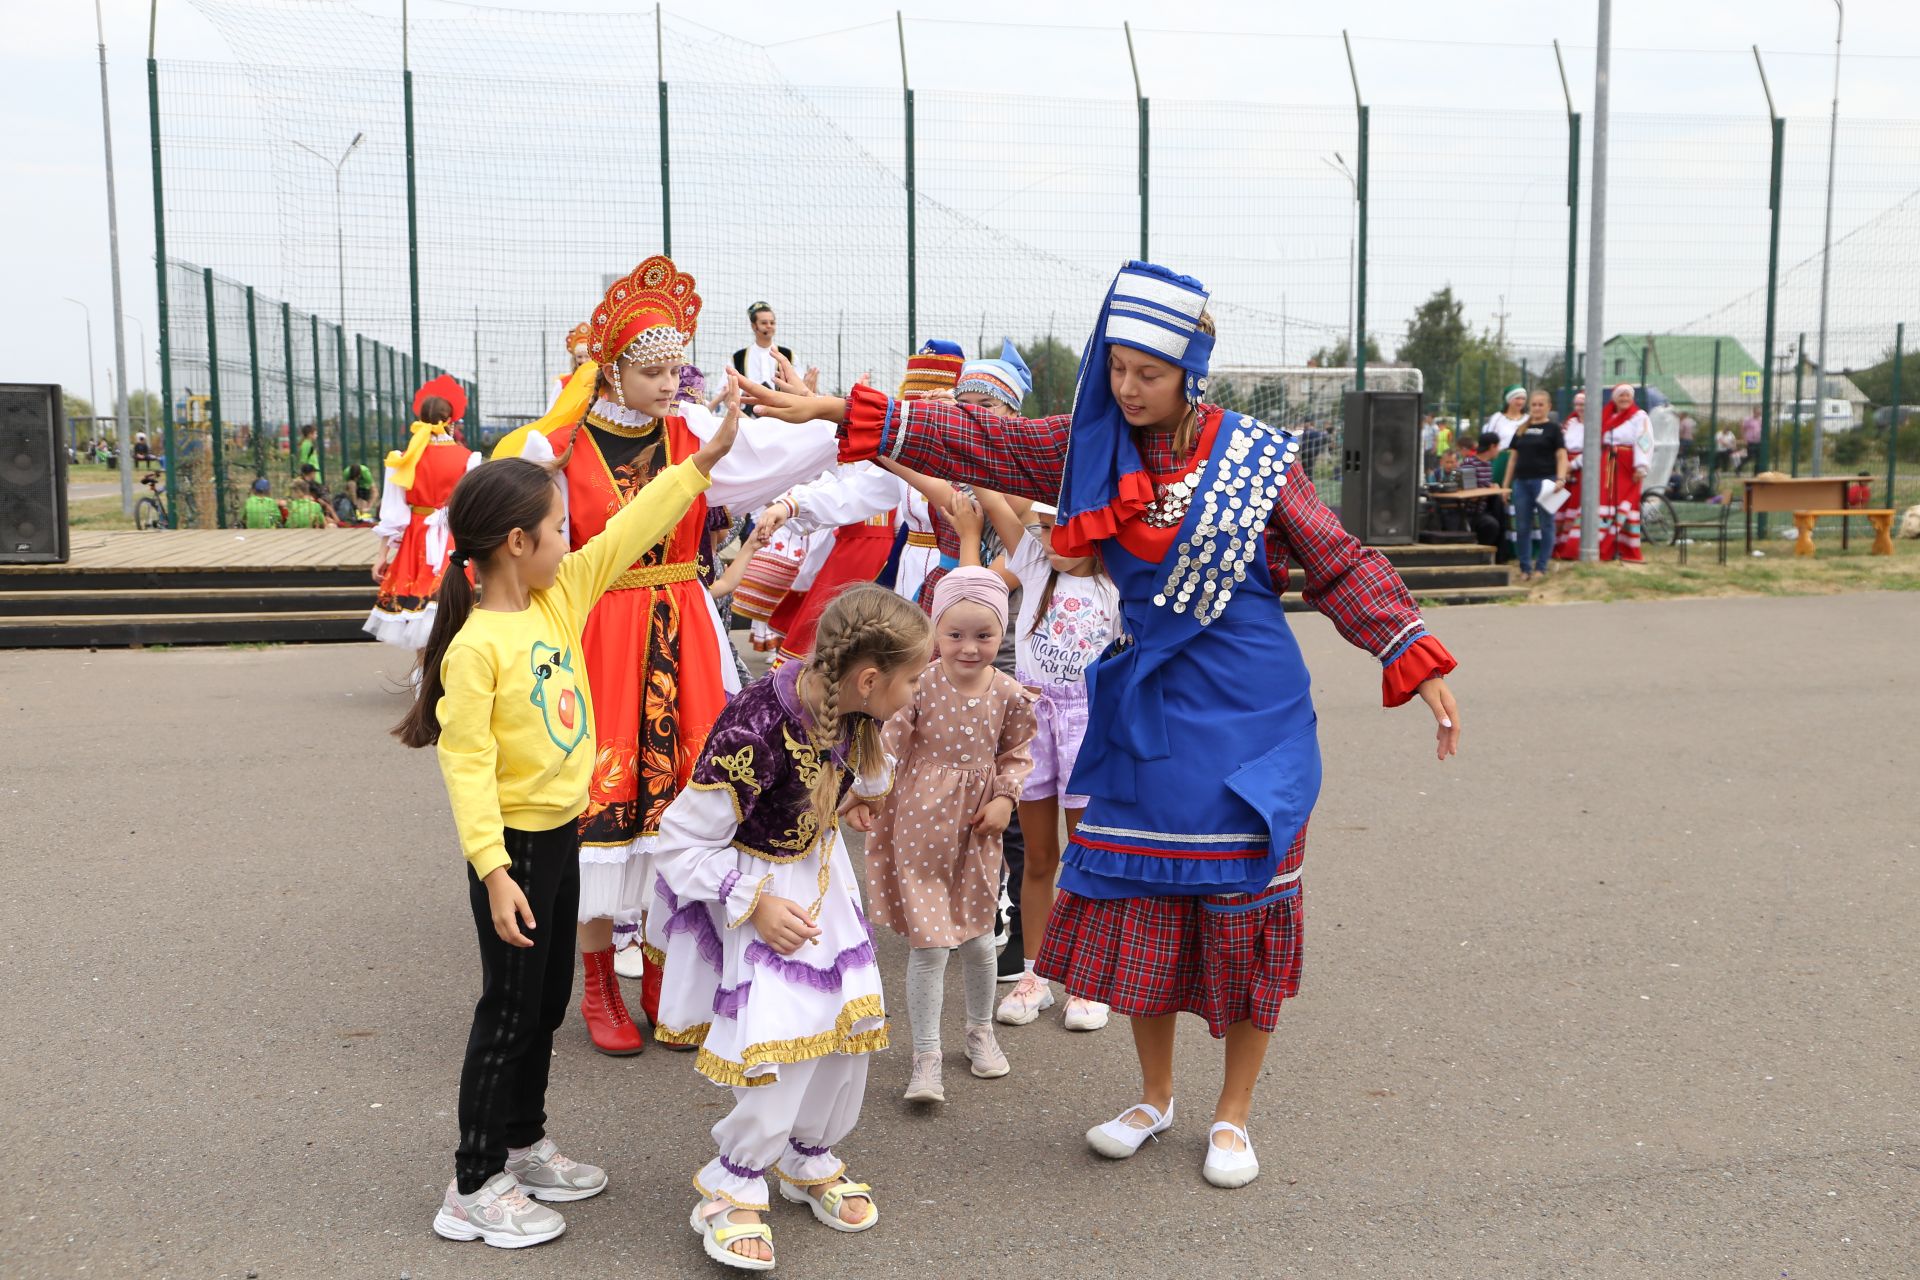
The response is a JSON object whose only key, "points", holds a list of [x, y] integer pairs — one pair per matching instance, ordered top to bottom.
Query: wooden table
{"points": [[1796, 493], [1467, 495]]}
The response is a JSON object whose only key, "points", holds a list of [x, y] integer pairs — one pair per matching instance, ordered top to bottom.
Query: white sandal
{"points": [[1116, 1139], [1227, 1168], [826, 1207], [717, 1232]]}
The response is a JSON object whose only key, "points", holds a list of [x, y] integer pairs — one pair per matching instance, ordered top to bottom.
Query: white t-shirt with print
{"points": [[1080, 621]]}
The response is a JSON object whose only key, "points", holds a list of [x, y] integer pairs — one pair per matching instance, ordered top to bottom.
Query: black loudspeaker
{"points": [[1380, 467], [33, 474]]}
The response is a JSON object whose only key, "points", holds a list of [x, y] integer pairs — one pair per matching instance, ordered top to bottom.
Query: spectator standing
{"points": [[756, 361], [1688, 428], [1750, 436], [1429, 438], [1723, 447], [1538, 453], [309, 455]]}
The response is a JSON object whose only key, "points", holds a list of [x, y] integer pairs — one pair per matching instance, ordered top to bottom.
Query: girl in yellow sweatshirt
{"points": [[504, 695]]}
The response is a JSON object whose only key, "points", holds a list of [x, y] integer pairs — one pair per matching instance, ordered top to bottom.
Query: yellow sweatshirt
{"points": [[516, 722]]}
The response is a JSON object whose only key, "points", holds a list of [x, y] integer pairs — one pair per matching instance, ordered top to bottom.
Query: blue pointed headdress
{"points": [[1150, 309], [1006, 379]]}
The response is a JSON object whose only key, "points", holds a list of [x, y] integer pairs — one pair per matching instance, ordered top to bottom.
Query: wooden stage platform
{"points": [[193, 586]]}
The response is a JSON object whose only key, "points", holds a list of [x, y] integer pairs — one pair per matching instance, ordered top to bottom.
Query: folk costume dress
{"points": [[1626, 452], [851, 511], [1566, 521], [413, 522], [653, 644], [934, 879], [1181, 889], [789, 1034]]}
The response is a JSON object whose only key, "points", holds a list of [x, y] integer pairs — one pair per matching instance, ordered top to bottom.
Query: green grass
{"points": [[1778, 573]]}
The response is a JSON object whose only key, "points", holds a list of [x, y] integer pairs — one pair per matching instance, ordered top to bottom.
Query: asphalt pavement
{"points": [[1625, 990]]}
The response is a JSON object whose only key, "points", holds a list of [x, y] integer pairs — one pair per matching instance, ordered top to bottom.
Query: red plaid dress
{"points": [[1228, 958]]}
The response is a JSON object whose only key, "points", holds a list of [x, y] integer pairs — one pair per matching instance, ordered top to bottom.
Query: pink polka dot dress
{"points": [[930, 876]]}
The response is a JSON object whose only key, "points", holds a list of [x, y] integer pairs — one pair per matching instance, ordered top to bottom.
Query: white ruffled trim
{"points": [[610, 411], [405, 630], [619, 853], [616, 890]]}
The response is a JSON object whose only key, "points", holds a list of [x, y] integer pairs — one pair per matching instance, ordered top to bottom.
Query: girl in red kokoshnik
{"points": [[653, 643], [1180, 890]]}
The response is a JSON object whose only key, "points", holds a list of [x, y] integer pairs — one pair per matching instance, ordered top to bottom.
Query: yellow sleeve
{"points": [[650, 516], [468, 757]]}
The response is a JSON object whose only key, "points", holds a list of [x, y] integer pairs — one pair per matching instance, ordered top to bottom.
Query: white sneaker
{"points": [[630, 962], [1023, 1004], [1084, 1015], [924, 1085], [1117, 1139], [1229, 1168], [545, 1174], [498, 1213]]}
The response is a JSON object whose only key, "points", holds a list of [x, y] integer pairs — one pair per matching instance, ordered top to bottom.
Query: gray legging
{"points": [[927, 983]]}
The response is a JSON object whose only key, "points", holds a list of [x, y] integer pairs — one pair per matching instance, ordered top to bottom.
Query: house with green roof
{"points": [[1680, 366]]}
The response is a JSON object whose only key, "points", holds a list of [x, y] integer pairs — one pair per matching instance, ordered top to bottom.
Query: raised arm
{"points": [[956, 442], [1358, 589]]}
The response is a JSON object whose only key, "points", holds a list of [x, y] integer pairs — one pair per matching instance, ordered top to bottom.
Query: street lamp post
{"points": [[1339, 166], [339, 236], [1826, 249], [146, 379], [92, 407]]}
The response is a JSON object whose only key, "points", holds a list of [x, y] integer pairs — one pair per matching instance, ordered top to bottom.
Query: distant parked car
{"points": [[1835, 414], [1909, 414]]}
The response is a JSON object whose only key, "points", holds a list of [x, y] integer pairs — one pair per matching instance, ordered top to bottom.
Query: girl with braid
{"points": [[770, 962]]}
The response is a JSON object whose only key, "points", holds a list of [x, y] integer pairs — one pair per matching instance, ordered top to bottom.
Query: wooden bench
{"points": [[1881, 518]]}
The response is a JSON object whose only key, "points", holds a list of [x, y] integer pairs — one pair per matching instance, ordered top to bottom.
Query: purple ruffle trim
{"points": [[727, 882], [692, 918], [762, 956], [729, 1001], [807, 1151], [741, 1170]]}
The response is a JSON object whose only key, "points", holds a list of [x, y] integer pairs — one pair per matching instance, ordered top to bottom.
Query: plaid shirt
{"points": [[1353, 585]]}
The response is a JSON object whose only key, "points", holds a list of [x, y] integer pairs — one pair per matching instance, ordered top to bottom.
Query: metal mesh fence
{"points": [[542, 172]]}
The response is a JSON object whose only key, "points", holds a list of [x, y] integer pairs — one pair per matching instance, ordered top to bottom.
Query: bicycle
{"points": [[151, 511]]}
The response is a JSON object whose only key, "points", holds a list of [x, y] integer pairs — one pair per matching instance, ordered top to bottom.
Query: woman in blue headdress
{"points": [[1180, 890]]}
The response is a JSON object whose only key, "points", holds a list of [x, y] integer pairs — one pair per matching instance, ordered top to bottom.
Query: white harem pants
{"points": [[788, 1128]]}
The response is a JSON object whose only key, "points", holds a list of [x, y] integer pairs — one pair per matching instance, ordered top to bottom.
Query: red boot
{"points": [[650, 991], [602, 1009]]}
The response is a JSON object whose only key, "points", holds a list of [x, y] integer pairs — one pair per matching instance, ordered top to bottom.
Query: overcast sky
{"points": [[1685, 57]]}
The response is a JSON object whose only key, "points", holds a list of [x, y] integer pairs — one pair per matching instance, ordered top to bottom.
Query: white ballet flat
{"points": [[1116, 1139], [1226, 1168]]}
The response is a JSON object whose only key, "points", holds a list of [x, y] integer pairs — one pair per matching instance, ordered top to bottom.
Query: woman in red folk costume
{"points": [[1626, 453], [413, 517], [1566, 521], [653, 645]]}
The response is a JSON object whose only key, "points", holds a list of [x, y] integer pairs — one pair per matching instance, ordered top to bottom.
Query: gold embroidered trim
{"points": [[624, 430], [656, 575], [739, 767], [753, 906], [655, 956], [686, 1035], [799, 1049], [810, 1182], [721, 1195]]}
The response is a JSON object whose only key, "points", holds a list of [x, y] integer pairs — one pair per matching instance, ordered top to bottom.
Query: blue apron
{"points": [[1200, 758]]}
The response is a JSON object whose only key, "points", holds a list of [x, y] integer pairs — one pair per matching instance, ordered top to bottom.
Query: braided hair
{"points": [[865, 625]]}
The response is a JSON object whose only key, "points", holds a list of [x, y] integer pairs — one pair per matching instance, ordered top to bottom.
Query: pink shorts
{"points": [[1061, 714]]}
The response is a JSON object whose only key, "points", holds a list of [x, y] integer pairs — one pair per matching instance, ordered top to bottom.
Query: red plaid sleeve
{"points": [[958, 443], [1354, 585]]}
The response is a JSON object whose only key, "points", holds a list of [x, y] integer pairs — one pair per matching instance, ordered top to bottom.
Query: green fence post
{"points": [[1140, 102], [1779, 130], [666, 167], [413, 218], [1360, 266], [160, 278], [913, 280], [1645, 351], [1567, 384], [360, 393], [340, 397], [379, 401], [319, 408], [1799, 409], [293, 412], [1893, 418], [215, 428], [1713, 429], [254, 432]]}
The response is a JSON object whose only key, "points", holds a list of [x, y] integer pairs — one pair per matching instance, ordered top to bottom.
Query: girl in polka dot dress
{"points": [[962, 753]]}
